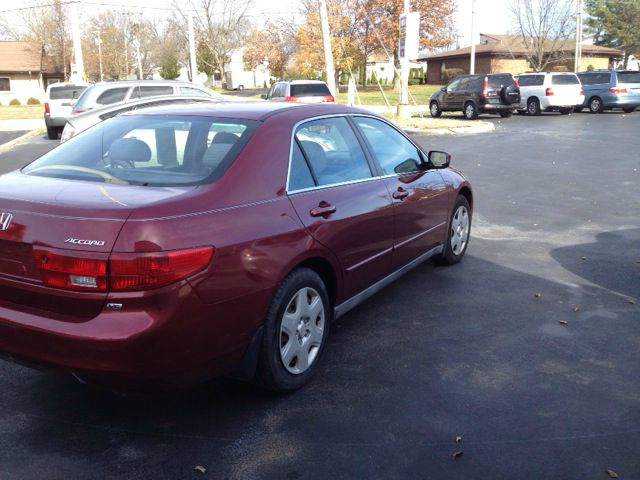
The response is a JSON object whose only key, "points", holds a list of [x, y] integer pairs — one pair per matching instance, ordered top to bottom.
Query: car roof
{"points": [[296, 82], [249, 110]]}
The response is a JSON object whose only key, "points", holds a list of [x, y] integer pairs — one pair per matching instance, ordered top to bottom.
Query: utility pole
{"points": [[136, 31], [326, 42], [126, 46], [192, 49], [578, 52], [100, 56], [472, 64], [404, 65], [78, 74]]}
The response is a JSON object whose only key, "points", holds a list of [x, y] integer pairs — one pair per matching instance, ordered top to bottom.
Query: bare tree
{"points": [[544, 27]]}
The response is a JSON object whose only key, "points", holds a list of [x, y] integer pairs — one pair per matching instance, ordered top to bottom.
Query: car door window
{"points": [[453, 85], [462, 86], [152, 91], [193, 92], [113, 95], [332, 150], [394, 152], [299, 173]]}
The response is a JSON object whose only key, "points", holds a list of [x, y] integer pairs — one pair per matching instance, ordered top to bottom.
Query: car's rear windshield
{"points": [[628, 77], [564, 80], [496, 81], [310, 90], [66, 92], [148, 150]]}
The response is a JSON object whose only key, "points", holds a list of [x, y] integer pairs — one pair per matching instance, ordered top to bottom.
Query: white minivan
{"points": [[549, 91]]}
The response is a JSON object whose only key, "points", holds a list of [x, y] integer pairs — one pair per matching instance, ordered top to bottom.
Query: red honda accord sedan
{"points": [[175, 244]]}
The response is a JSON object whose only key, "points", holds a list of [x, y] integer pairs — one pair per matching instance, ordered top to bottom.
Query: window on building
{"points": [[5, 84]]}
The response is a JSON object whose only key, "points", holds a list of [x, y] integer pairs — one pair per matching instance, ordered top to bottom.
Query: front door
{"points": [[419, 194], [340, 201]]}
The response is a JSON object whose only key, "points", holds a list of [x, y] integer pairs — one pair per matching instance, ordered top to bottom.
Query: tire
{"points": [[595, 105], [533, 106], [577, 109], [435, 110], [629, 110], [470, 111], [565, 111], [521, 112], [506, 113], [52, 133], [458, 233], [303, 327]]}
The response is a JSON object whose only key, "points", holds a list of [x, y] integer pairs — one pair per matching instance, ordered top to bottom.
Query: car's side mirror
{"points": [[443, 89], [263, 97], [439, 159]]}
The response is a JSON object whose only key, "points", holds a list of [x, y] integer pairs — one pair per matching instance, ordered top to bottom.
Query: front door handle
{"points": [[400, 194], [322, 210]]}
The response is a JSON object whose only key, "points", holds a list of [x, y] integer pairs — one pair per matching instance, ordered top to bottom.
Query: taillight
{"points": [[515, 80], [485, 87], [617, 90], [581, 91], [549, 92], [329, 98], [290, 99], [46, 107], [76, 111], [68, 133], [72, 270], [141, 271], [120, 272]]}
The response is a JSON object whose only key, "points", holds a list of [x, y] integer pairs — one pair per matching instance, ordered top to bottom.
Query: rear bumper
{"points": [[626, 101], [555, 102], [496, 107], [54, 121], [164, 338]]}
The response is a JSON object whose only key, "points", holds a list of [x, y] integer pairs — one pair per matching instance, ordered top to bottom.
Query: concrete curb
{"points": [[483, 128], [12, 143]]}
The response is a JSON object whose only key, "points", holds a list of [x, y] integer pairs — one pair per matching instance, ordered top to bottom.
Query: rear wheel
{"points": [[595, 105], [533, 106], [435, 110], [628, 110], [470, 111], [565, 111], [52, 133], [458, 233], [295, 331]]}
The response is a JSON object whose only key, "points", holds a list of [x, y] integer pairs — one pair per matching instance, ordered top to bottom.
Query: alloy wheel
{"points": [[459, 230], [302, 330]]}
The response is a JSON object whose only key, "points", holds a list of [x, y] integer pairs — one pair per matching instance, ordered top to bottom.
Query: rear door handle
{"points": [[400, 194], [322, 210]]}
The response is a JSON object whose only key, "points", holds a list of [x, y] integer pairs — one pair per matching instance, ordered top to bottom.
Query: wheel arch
{"points": [[465, 191], [325, 271]]}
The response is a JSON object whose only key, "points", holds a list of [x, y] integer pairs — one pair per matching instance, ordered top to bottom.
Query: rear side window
{"points": [[628, 77], [595, 78], [531, 80], [564, 80], [497, 81], [475, 84], [462, 86], [310, 90], [152, 91], [194, 92], [66, 93], [113, 95], [148, 151], [332, 151], [394, 153], [299, 175]]}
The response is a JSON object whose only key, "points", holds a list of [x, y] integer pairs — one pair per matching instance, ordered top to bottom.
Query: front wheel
{"points": [[595, 105], [435, 110], [470, 111], [458, 233], [295, 331]]}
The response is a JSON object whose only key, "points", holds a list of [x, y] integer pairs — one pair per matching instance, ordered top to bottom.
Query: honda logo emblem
{"points": [[5, 220]]}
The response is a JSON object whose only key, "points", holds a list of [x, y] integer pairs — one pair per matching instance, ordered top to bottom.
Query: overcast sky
{"points": [[492, 16]]}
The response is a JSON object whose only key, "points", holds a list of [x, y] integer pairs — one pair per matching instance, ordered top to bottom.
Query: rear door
{"points": [[595, 84], [419, 194], [339, 199]]}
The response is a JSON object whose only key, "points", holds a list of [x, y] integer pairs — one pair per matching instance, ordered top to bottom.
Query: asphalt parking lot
{"points": [[476, 351]]}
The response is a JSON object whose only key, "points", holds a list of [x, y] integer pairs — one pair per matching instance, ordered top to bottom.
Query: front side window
{"points": [[453, 85], [113, 95], [148, 150], [333, 151], [395, 154]]}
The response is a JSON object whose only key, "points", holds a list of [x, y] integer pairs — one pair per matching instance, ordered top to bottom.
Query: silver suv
{"points": [[300, 91], [109, 93], [57, 105]]}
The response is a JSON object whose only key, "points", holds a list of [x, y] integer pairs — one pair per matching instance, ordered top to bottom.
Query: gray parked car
{"points": [[109, 93], [83, 121]]}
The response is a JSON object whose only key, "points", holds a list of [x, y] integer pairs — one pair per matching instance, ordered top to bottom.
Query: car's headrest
{"points": [[225, 137], [129, 150], [315, 154]]}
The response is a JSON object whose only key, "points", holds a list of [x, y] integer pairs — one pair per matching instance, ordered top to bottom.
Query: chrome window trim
{"points": [[349, 182]]}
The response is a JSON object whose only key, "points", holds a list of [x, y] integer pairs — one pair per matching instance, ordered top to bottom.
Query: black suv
{"points": [[475, 94]]}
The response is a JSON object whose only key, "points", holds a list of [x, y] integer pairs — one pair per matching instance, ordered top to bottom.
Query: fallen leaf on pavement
{"points": [[583, 258], [538, 295], [632, 301], [576, 308], [563, 322], [458, 439], [457, 454], [200, 468], [612, 474]]}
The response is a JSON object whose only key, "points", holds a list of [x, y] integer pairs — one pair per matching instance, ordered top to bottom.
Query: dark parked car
{"points": [[609, 89], [477, 94], [174, 244]]}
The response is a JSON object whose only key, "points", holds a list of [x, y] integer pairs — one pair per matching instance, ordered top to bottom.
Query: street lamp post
{"points": [[100, 55]]}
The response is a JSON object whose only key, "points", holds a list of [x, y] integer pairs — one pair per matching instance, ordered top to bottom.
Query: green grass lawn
{"points": [[371, 95], [21, 112]]}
